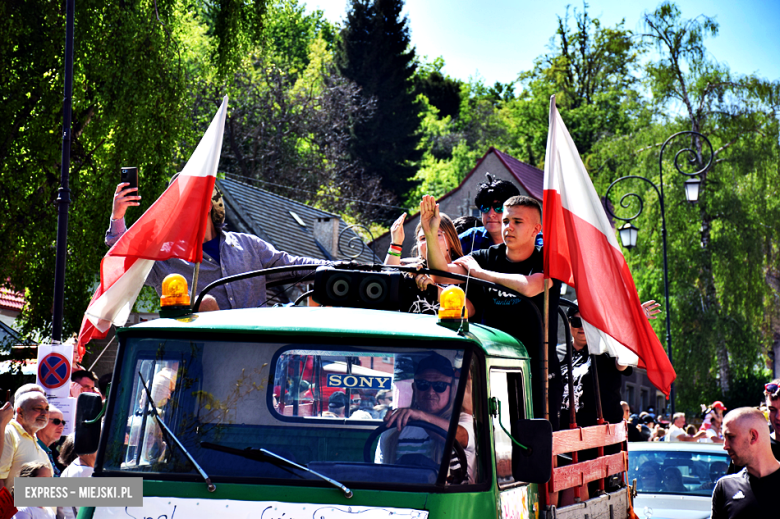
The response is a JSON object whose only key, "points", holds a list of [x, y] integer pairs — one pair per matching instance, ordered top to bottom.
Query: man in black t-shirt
{"points": [[517, 264], [610, 374], [751, 493]]}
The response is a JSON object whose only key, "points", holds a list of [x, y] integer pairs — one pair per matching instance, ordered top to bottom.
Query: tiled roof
{"points": [[531, 178], [253, 210], [10, 300], [8, 336]]}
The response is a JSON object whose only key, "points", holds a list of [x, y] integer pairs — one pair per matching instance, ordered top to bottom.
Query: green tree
{"points": [[375, 53], [133, 64], [591, 71], [442, 92], [290, 131], [721, 251]]}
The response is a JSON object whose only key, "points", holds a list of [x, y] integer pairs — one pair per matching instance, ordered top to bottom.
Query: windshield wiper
{"points": [[150, 403], [268, 456]]}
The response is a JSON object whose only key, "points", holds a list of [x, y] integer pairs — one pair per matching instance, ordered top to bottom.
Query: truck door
{"points": [[508, 387]]}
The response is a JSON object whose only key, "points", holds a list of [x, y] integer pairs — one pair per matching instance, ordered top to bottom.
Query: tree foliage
{"points": [[374, 52], [291, 132], [720, 250]]}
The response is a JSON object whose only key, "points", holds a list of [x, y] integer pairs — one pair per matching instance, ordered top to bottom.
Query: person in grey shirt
{"points": [[224, 254]]}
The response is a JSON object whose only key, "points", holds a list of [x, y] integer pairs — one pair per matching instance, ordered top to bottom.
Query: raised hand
{"points": [[124, 197], [429, 215], [397, 230], [651, 309]]}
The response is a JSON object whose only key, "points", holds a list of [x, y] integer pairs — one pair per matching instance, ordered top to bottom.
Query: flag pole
{"points": [[194, 291], [545, 368]]}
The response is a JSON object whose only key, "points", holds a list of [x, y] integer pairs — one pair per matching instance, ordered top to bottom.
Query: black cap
{"points": [[435, 362], [337, 399]]}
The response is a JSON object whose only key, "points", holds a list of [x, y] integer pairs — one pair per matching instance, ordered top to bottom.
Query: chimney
{"points": [[326, 232]]}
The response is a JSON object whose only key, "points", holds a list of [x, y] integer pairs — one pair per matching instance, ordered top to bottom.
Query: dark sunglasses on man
{"points": [[497, 207], [576, 322], [438, 386], [772, 389], [57, 421]]}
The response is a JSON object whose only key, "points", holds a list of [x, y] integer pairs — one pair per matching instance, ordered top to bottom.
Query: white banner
{"points": [[54, 365], [177, 508]]}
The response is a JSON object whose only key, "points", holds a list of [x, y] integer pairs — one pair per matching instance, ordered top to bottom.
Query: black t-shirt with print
{"points": [[507, 312], [585, 391], [743, 496]]}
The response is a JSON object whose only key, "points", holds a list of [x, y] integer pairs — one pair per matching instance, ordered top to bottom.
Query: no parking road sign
{"points": [[54, 369]]}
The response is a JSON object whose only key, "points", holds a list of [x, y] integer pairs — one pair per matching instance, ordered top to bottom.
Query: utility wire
{"points": [[242, 177]]}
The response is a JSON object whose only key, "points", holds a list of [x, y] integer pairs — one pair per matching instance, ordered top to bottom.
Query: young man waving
{"points": [[516, 264]]}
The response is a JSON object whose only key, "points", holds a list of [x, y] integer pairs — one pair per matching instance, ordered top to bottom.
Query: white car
{"points": [[675, 479]]}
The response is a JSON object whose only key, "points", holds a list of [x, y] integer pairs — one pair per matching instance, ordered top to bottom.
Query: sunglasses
{"points": [[497, 207], [576, 322], [425, 385], [771, 389], [57, 421]]}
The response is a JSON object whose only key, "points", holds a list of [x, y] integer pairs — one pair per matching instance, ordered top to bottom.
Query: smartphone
{"points": [[130, 175]]}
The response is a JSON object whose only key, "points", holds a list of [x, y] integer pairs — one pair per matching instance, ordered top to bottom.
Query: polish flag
{"points": [[173, 227], [580, 249]]}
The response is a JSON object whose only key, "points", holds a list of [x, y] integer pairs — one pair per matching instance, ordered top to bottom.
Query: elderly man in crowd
{"points": [[51, 434], [20, 445], [750, 493]]}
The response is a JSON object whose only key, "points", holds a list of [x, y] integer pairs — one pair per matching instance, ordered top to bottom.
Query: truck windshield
{"points": [[314, 404]]}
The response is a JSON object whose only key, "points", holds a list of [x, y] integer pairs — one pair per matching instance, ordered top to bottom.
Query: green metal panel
{"points": [[335, 322]]}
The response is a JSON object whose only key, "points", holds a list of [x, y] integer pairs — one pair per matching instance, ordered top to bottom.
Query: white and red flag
{"points": [[173, 227], [580, 249]]}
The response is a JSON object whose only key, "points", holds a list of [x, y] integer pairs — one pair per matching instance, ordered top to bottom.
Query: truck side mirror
{"points": [[89, 410], [532, 465]]}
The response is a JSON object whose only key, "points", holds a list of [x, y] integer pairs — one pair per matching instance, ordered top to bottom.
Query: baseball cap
{"points": [[435, 362], [337, 399], [717, 404]]}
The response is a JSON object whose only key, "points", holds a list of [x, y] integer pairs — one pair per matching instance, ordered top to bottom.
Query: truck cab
{"points": [[273, 412]]}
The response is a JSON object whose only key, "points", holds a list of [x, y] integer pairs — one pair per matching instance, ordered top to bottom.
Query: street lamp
{"points": [[692, 190], [628, 233]]}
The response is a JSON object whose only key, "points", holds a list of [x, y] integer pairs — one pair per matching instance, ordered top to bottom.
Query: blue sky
{"points": [[497, 39]]}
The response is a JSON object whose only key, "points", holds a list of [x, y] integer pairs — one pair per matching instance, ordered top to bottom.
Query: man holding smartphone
{"points": [[224, 254]]}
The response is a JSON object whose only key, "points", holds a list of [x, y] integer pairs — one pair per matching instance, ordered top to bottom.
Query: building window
{"points": [[630, 397]]}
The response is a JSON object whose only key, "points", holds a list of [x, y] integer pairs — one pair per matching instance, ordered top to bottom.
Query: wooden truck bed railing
{"points": [[581, 438]]}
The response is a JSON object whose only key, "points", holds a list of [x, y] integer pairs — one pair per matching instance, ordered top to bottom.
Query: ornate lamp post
{"points": [[628, 233]]}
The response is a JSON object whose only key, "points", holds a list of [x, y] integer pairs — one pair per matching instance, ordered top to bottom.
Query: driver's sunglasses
{"points": [[497, 207], [576, 322], [438, 386], [772, 389], [57, 421]]}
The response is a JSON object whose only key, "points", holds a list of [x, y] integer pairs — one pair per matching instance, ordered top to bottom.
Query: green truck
{"points": [[273, 413]]}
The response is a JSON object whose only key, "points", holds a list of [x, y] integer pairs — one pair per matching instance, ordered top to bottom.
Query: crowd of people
{"points": [[33, 444], [741, 489]]}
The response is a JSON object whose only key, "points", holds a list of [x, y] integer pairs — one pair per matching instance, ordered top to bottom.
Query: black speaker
{"points": [[338, 287], [357, 289], [373, 290]]}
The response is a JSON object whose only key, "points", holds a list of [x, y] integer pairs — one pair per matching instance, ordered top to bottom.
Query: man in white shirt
{"points": [[677, 430]]}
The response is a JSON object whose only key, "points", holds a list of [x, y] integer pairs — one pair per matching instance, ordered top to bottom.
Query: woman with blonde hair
{"points": [[426, 298]]}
